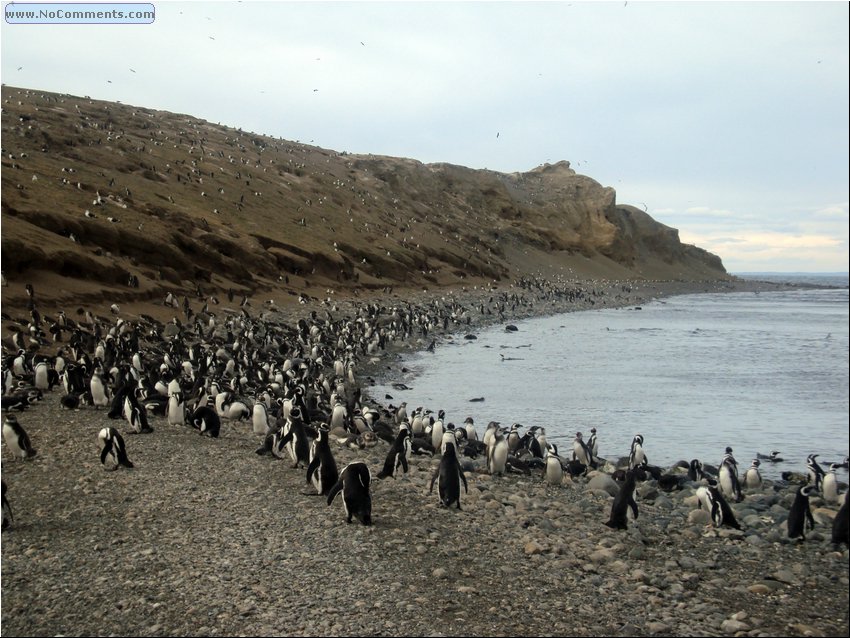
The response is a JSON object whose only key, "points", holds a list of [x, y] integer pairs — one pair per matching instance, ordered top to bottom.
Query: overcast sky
{"points": [[729, 121]]}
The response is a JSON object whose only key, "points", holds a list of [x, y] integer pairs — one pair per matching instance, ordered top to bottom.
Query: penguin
{"points": [[40, 379], [99, 395], [70, 401], [176, 411], [136, 415], [260, 418], [206, 420], [469, 425], [437, 430], [295, 438], [514, 439], [17, 440], [537, 443], [593, 445], [113, 446], [582, 452], [398, 453], [497, 454], [637, 455], [773, 457], [322, 470], [554, 470], [695, 472], [816, 472], [451, 474], [728, 477], [752, 477], [355, 484], [829, 485], [709, 496], [625, 499], [7, 509], [800, 512], [840, 525]]}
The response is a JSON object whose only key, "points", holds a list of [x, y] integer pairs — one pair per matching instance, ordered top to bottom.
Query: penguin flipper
{"points": [[403, 460], [314, 465], [434, 478], [462, 478], [633, 505], [810, 518]]}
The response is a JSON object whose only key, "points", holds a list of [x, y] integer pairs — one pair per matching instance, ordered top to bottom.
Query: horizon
{"points": [[739, 139]]}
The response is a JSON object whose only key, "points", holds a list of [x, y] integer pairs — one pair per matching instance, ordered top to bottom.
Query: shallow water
{"points": [[693, 374]]}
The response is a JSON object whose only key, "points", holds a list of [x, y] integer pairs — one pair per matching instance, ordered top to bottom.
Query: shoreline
{"points": [[205, 537]]}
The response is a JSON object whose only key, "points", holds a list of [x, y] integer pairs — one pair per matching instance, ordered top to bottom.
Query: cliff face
{"points": [[174, 202]]}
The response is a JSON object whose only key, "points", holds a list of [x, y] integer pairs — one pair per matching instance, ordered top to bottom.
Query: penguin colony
{"points": [[296, 388]]}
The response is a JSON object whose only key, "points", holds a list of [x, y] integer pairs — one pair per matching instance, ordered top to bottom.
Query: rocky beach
{"points": [[205, 537]]}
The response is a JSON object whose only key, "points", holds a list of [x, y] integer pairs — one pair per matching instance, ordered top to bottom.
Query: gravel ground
{"points": [[205, 537]]}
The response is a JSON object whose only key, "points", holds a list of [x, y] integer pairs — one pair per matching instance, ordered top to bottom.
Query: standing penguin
{"points": [[99, 395], [176, 409], [136, 415], [260, 418], [469, 425], [438, 430], [295, 438], [17, 439], [514, 439], [593, 444], [113, 446], [582, 452], [398, 453], [497, 453], [636, 455], [322, 468], [554, 469], [695, 472], [816, 472], [451, 474], [728, 475], [752, 477], [355, 484], [829, 485], [709, 496], [625, 498], [800, 512], [841, 525]]}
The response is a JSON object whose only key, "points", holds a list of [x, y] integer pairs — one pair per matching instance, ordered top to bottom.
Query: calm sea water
{"points": [[692, 373]]}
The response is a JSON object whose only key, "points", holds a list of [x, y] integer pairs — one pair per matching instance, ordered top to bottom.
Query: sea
{"points": [[694, 374]]}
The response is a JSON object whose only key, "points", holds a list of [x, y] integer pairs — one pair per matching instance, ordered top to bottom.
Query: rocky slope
{"points": [[176, 202]]}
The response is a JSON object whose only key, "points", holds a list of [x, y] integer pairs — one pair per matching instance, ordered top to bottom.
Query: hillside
{"points": [[194, 203]]}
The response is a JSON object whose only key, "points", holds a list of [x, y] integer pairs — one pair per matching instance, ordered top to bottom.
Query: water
{"points": [[692, 373]]}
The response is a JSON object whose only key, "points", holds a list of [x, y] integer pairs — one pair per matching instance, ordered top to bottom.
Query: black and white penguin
{"points": [[99, 393], [70, 401], [176, 410], [136, 415], [260, 418], [206, 420], [469, 425], [438, 430], [294, 438], [17, 439], [514, 439], [537, 442], [593, 444], [113, 447], [582, 452], [398, 453], [497, 453], [637, 456], [773, 457], [322, 470], [554, 470], [695, 472], [816, 472], [450, 474], [728, 477], [752, 477], [355, 484], [829, 485], [710, 497], [623, 501], [7, 509], [800, 512], [841, 525]]}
